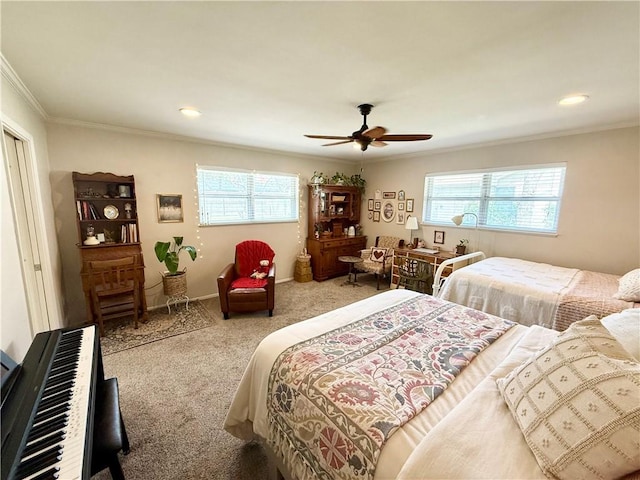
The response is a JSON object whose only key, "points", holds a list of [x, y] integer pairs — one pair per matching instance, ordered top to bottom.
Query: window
{"points": [[228, 196], [527, 199]]}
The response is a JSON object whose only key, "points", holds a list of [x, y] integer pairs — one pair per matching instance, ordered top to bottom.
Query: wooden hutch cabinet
{"points": [[106, 207], [332, 210]]}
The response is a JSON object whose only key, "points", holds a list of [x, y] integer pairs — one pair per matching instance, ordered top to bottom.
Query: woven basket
{"points": [[175, 285]]}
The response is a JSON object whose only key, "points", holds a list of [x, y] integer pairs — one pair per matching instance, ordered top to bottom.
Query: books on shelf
{"points": [[87, 210], [128, 233]]}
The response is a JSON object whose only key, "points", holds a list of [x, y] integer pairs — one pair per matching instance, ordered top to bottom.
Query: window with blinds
{"points": [[229, 196], [526, 199]]}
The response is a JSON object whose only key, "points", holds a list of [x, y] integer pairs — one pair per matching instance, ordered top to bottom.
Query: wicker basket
{"points": [[302, 272], [175, 285]]}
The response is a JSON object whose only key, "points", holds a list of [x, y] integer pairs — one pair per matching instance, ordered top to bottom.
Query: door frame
{"points": [[42, 301]]}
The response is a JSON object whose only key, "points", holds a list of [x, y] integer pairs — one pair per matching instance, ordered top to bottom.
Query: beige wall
{"points": [[163, 165], [599, 225]]}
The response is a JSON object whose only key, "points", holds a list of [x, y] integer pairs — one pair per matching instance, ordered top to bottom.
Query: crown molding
{"points": [[18, 85], [184, 138], [510, 141]]}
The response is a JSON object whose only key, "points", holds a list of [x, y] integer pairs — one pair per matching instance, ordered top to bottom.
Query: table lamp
{"points": [[411, 225]]}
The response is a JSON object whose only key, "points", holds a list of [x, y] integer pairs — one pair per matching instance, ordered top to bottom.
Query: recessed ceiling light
{"points": [[573, 99], [190, 112]]}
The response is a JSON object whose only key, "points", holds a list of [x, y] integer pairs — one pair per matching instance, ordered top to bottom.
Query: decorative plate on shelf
{"points": [[111, 212]]}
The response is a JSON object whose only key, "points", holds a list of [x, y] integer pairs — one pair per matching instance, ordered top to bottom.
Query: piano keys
{"points": [[47, 416]]}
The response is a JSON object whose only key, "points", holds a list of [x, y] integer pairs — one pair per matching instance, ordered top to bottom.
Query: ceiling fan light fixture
{"points": [[573, 99], [190, 112]]}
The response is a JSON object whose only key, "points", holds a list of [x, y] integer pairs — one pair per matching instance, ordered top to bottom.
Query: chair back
{"points": [[387, 242], [248, 256], [415, 274], [113, 277]]}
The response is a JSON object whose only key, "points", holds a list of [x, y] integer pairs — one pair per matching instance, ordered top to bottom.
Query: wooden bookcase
{"points": [[107, 203], [332, 209]]}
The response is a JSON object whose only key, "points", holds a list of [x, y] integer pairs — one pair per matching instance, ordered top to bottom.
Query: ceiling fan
{"points": [[376, 136]]}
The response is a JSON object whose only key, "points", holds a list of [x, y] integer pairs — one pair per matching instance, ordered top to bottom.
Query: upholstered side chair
{"points": [[379, 258], [248, 284]]}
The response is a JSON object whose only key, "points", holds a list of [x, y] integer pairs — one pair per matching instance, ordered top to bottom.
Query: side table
{"points": [[351, 260]]}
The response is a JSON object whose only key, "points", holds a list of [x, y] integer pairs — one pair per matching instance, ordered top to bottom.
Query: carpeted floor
{"points": [[175, 392]]}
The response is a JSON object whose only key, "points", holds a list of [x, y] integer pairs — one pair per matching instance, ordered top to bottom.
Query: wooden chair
{"points": [[379, 259], [415, 274], [115, 289], [238, 291]]}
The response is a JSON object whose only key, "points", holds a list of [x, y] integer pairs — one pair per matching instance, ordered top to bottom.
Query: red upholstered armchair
{"points": [[248, 284]]}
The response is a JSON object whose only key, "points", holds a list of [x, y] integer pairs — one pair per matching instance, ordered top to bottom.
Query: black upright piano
{"points": [[48, 407]]}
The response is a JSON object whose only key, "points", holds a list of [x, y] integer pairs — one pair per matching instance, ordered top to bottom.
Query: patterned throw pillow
{"points": [[378, 254], [629, 287], [577, 403]]}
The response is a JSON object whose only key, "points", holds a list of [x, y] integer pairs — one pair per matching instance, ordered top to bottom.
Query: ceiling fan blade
{"points": [[375, 132], [329, 137], [403, 138], [337, 143], [378, 143]]}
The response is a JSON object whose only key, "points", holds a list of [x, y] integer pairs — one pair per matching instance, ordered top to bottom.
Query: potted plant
{"points": [[357, 181], [462, 246], [174, 281]]}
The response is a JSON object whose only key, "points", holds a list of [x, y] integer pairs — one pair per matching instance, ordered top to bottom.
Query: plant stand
{"points": [[175, 289]]}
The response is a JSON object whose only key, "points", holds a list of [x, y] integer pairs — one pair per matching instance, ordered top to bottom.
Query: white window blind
{"points": [[228, 196], [527, 199]]}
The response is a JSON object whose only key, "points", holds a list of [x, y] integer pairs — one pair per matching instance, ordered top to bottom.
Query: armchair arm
{"points": [[365, 253], [225, 278], [271, 288]]}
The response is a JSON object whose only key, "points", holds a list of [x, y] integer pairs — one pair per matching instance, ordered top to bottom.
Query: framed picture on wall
{"points": [[388, 195], [401, 196], [370, 204], [377, 205], [410, 205], [400, 206], [169, 208], [388, 211], [376, 216], [400, 218], [438, 237]]}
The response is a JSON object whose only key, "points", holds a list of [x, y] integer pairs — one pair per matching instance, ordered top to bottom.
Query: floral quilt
{"points": [[335, 399]]}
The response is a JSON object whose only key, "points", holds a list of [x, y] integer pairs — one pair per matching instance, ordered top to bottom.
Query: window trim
{"points": [[294, 199], [484, 204]]}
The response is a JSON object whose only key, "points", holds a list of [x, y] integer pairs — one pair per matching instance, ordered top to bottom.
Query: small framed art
{"points": [[388, 195], [401, 196], [370, 204], [377, 205], [409, 205], [400, 206], [169, 208], [376, 216], [400, 218], [438, 237]]}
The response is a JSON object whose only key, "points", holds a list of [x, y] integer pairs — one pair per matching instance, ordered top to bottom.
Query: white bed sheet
{"points": [[519, 290], [247, 416]]}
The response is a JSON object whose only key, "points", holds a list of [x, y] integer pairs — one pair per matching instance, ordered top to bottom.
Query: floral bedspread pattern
{"points": [[335, 399]]}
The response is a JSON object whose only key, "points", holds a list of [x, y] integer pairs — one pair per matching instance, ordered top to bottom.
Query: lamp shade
{"points": [[457, 219], [412, 223]]}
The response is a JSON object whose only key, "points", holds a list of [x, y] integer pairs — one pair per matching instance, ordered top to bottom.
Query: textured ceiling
{"points": [[265, 73]]}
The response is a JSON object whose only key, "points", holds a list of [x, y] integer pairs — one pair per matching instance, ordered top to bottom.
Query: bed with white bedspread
{"points": [[534, 293], [403, 385]]}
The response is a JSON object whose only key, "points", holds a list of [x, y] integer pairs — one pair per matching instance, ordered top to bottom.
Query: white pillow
{"points": [[378, 254], [629, 287], [625, 327], [577, 403]]}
